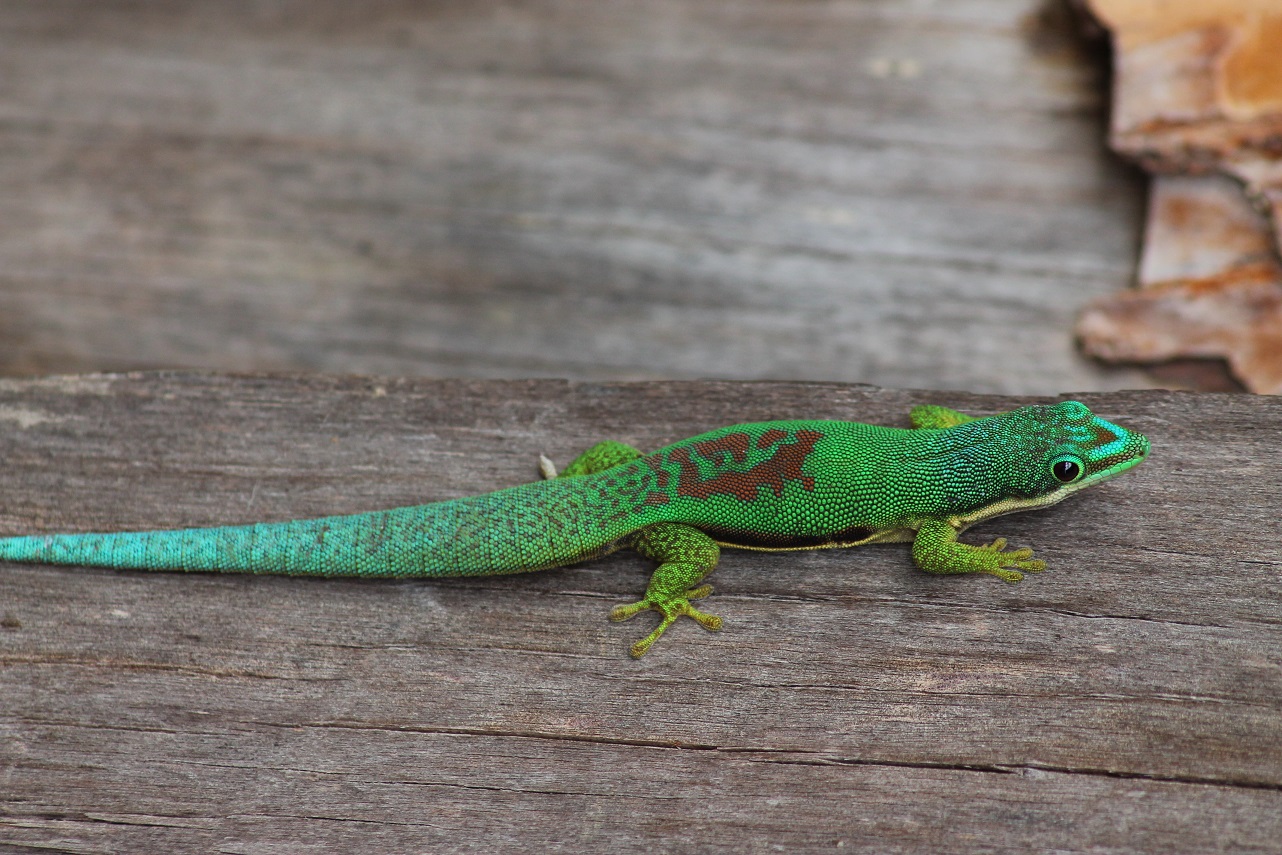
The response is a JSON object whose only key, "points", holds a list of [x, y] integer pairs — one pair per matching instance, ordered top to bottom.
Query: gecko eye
{"points": [[1066, 469]]}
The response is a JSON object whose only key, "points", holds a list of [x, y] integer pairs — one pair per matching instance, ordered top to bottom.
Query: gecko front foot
{"points": [[936, 550], [1001, 558], [670, 607]]}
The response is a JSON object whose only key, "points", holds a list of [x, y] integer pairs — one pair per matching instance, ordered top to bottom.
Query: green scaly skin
{"points": [[782, 485]]}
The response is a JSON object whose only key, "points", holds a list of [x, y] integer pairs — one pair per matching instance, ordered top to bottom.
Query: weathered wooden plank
{"points": [[904, 194], [1128, 700], [467, 793]]}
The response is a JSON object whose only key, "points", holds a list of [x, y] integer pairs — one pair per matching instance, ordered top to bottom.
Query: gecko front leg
{"points": [[937, 550]]}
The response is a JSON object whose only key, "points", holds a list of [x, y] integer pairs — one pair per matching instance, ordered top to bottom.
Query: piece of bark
{"points": [[1197, 84], [1198, 87], [1211, 286]]}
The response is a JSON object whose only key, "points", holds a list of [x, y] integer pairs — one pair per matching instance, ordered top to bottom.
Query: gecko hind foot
{"points": [[671, 608]]}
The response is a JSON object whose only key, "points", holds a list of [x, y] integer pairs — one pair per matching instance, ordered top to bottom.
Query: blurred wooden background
{"points": [[910, 194]]}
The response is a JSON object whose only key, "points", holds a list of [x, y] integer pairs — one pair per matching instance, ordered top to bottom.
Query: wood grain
{"points": [[855, 190], [1127, 700]]}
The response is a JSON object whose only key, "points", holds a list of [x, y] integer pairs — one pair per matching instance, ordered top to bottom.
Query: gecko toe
{"points": [[670, 609]]}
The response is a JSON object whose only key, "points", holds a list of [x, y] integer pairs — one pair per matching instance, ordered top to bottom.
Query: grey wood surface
{"points": [[909, 194], [1129, 699]]}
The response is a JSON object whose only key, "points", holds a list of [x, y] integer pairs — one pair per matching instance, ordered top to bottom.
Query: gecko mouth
{"points": [[1132, 449]]}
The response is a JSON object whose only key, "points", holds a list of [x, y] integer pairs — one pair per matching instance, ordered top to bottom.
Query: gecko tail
{"points": [[515, 530], [380, 544], [263, 548]]}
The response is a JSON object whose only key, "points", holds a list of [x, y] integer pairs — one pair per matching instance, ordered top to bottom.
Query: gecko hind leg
{"points": [[929, 416], [600, 457], [685, 555]]}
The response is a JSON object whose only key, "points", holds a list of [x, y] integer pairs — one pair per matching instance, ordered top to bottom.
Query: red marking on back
{"points": [[770, 437], [734, 444], [783, 466], [656, 498]]}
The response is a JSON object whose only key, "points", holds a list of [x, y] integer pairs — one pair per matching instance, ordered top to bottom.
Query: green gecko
{"points": [[773, 486]]}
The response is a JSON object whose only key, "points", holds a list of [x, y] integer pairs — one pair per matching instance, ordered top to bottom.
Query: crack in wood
{"points": [[159, 667], [1008, 769]]}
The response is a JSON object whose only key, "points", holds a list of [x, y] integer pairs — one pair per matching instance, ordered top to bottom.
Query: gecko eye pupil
{"points": [[1066, 471]]}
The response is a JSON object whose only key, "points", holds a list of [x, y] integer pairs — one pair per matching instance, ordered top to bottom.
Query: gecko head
{"points": [[1066, 448]]}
